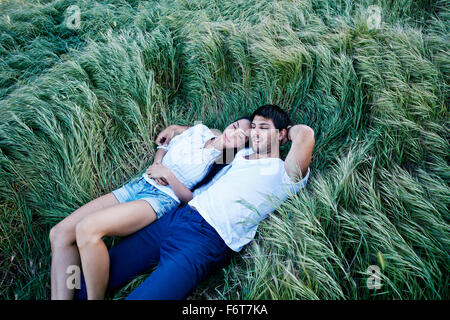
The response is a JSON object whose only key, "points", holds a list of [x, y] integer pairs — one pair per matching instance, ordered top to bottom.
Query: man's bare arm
{"points": [[300, 154]]}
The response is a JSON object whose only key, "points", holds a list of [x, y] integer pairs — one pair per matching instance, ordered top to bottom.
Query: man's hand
{"points": [[286, 138]]}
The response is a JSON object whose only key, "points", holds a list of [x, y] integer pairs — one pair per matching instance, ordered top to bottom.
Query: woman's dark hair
{"points": [[216, 166]]}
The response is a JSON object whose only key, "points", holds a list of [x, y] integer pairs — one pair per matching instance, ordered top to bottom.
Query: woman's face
{"points": [[236, 134]]}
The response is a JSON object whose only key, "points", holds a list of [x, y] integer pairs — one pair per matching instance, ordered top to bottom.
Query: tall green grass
{"points": [[80, 110]]}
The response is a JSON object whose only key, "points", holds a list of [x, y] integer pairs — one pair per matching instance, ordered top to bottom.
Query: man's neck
{"points": [[255, 155]]}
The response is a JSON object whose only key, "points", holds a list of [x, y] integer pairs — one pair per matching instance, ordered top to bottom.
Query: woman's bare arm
{"points": [[168, 133], [163, 140], [160, 153], [159, 171], [181, 191]]}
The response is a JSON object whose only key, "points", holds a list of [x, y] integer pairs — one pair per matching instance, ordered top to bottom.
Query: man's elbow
{"points": [[310, 133], [306, 134], [304, 145]]}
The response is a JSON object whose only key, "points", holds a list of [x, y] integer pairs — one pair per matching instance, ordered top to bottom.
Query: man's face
{"points": [[263, 135]]}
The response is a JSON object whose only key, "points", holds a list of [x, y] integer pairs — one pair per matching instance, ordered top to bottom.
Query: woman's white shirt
{"points": [[187, 158]]}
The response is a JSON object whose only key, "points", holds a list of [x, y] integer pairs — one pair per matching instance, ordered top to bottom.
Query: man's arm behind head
{"points": [[299, 156]]}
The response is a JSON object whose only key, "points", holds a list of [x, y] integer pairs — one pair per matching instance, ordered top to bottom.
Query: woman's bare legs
{"points": [[120, 220], [64, 249]]}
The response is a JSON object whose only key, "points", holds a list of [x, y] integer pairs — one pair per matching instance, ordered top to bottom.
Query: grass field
{"points": [[80, 110]]}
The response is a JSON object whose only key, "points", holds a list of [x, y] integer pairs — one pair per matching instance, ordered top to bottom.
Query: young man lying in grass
{"points": [[196, 239]]}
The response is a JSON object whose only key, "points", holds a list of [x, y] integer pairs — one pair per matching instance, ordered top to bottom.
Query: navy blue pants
{"points": [[185, 248]]}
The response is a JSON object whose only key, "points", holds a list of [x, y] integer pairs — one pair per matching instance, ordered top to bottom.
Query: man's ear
{"points": [[283, 136]]}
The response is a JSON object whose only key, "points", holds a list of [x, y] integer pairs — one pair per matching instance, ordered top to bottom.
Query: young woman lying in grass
{"points": [[179, 166]]}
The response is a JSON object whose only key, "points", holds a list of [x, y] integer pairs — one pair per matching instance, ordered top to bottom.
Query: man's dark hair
{"points": [[279, 117], [215, 167]]}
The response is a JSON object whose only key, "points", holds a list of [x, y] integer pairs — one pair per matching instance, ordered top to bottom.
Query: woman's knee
{"points": [[87, 232], [61, 236]]}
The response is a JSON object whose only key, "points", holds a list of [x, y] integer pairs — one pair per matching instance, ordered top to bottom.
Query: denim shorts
{"points": [[140, 189]]}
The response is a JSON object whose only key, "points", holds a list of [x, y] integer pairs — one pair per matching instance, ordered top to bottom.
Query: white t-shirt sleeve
{"points": [[200, 129], [204, 132], [186, 133], [172, 141], [295, 186]]}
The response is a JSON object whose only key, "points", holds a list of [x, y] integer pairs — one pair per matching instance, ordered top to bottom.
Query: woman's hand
{"points": [[165, 136], [159, 173], [161, 182]]}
